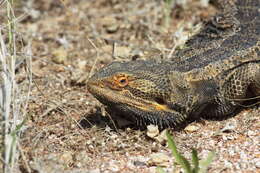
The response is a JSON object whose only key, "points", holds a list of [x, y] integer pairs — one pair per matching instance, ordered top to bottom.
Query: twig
{"points": [[95, 62]]}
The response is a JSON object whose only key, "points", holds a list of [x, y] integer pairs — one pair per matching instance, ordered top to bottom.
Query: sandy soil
{"points": [[66, 130]]}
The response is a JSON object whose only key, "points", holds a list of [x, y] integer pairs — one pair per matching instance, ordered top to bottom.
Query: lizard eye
{"points": [[122, 81]]}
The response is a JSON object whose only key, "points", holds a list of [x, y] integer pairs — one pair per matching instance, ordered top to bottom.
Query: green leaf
{"points": [[19, 127], [179, 158], [195, 161], [204, 164], [160, 170]]}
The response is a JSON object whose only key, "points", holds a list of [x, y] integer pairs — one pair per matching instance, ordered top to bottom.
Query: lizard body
{"points": [[214, 75]]}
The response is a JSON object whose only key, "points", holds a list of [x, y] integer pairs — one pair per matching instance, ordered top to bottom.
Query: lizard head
{"points": [[139, 91]]}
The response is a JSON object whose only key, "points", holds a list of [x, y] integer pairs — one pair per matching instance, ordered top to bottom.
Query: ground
{"points": [[67, 129]]}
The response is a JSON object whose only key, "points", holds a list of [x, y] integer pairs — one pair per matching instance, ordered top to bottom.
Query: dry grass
{"points": [[14, 100]]}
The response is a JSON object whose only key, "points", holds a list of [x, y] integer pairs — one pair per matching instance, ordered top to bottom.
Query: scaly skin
{"points": [[215, 75]]}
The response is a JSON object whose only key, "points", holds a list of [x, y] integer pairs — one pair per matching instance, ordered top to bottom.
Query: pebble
{"points": [[122, 52], [60, 56], [229, 127], [192, 128], [152, 131], [162, 138], [66, 158], [159, 159]]}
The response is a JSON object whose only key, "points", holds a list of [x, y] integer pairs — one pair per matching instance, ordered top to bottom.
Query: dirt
{"points": [[67, 129]]}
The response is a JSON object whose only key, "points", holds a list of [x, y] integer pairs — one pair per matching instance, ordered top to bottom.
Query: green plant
{"points": [[167, 12], [199, 166]]}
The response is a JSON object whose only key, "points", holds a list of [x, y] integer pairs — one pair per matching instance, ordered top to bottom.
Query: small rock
{"points": [[182, 3], [204, 3], [110, 23], [32, 28], [112, 28], [107, 48], [122, 51], [135, 54], [60, 56], [82, 65], [78, 76], [229, 127], [192, 128], [152, 131], [251, 133], [162, 138], [82, 157], [66, 158], [159, 159], [139, 163], [257, 164], [113, 166], [94, 171]]}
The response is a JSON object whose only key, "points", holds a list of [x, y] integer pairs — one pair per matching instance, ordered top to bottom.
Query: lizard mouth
{"points": [[108, 96], [142, 112]]}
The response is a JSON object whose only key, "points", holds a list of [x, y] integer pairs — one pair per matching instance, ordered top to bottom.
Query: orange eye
{"points": [[122, 81]]}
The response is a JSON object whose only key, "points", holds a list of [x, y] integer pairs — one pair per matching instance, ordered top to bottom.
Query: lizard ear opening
{"points": [[160, 101]]}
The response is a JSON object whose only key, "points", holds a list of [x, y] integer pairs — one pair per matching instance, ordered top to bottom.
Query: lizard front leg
{"points": [[256, 84], [241, 85]]}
